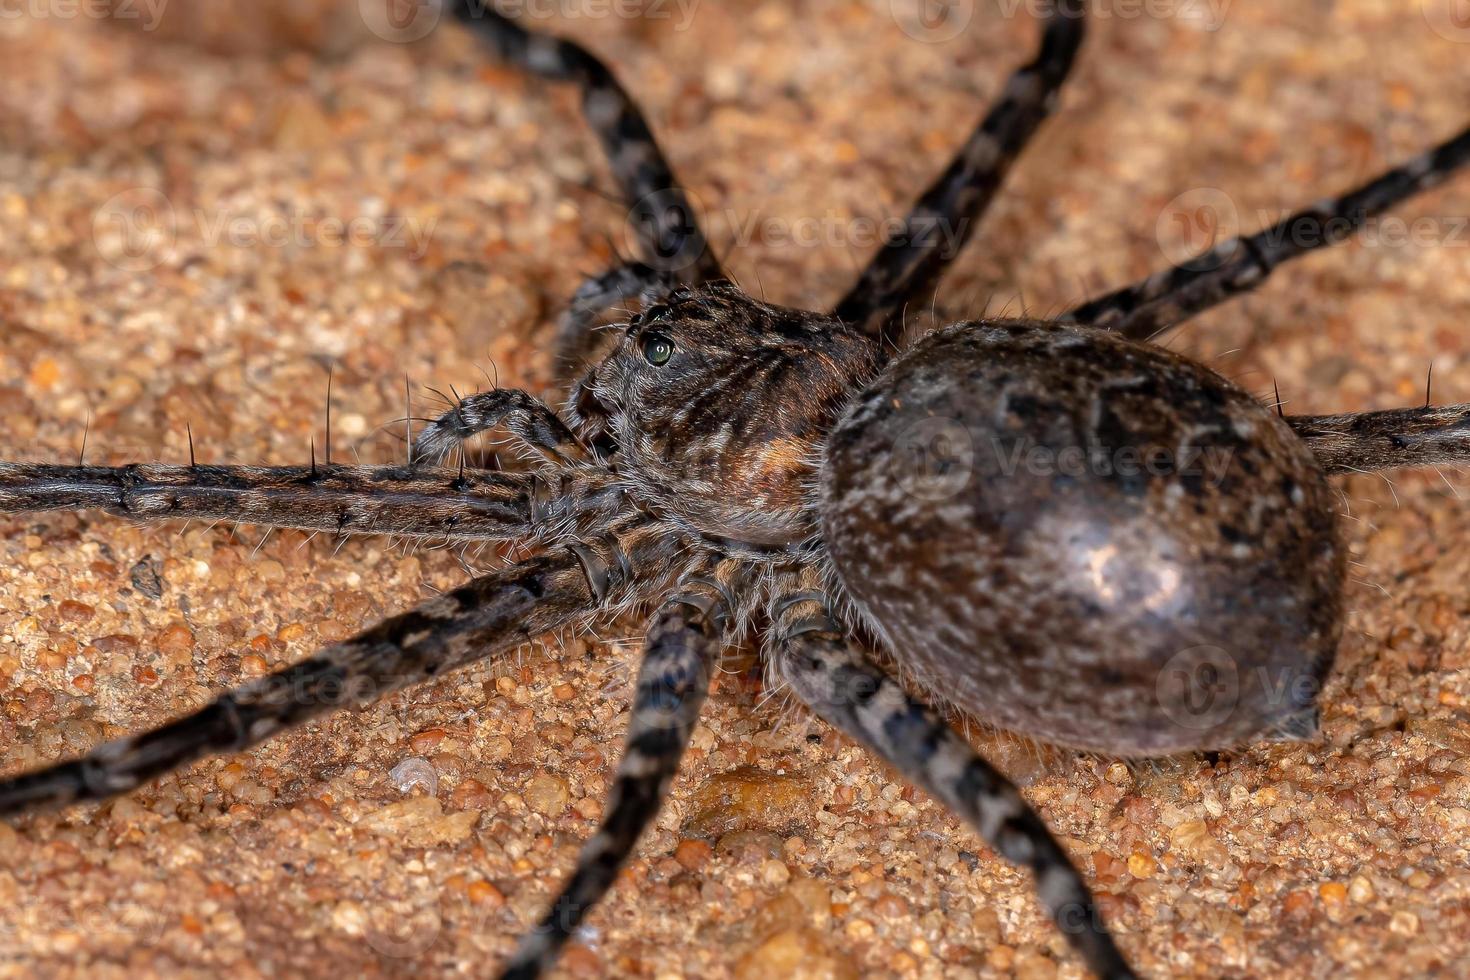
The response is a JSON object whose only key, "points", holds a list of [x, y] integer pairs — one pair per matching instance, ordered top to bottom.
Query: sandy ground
{"points": [[168, 258]]}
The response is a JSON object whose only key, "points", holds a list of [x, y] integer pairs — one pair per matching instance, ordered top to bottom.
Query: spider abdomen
{"points": [[1087, 540]]}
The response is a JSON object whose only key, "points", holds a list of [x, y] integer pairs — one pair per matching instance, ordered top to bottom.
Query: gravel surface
{"points": [[174, 195]]}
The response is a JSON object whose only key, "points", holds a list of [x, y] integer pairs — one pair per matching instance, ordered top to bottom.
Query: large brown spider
{"points": [[731, 464]]}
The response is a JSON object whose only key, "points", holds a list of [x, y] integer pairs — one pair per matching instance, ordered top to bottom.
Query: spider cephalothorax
{"points": [[717, 405], [968, 499]]}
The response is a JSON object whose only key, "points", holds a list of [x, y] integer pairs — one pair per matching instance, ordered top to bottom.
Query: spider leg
{"points": [[662, 215], [909, 264], [1168, 298], [575, 336], [530, 420], [1392, 439], [411, 502], [436, 505], [488, 615], [683, 641], [860, 699]]}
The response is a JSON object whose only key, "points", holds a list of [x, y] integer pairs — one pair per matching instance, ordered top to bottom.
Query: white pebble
{"points": [[415, 771]]}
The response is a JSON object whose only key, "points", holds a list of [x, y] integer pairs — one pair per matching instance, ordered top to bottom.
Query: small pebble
{"points": [[75, 612], [426, 740], [415, 771], [547, 794], [693, 854], [1142, 865], [484, 893], [891, 906]]}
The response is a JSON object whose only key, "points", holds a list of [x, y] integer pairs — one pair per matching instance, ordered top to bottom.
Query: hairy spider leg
{"points": [[675, 250], [908, 266], [1168, 298], [534, 425], [1387, 440], [406, 502], [486, 616], [684, 639], [857, 697]]}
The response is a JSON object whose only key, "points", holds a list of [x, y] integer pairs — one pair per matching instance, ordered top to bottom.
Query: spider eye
{"points": [[657, 350]]}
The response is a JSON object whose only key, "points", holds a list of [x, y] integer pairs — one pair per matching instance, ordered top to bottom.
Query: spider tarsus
{"points": [[533, 424]]}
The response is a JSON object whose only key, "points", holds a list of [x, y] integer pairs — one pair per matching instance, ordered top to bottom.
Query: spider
{"points": [[736, 466]]}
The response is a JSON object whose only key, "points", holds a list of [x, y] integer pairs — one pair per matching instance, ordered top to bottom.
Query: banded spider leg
{"points": [[675, 250], [1166, 299]]}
